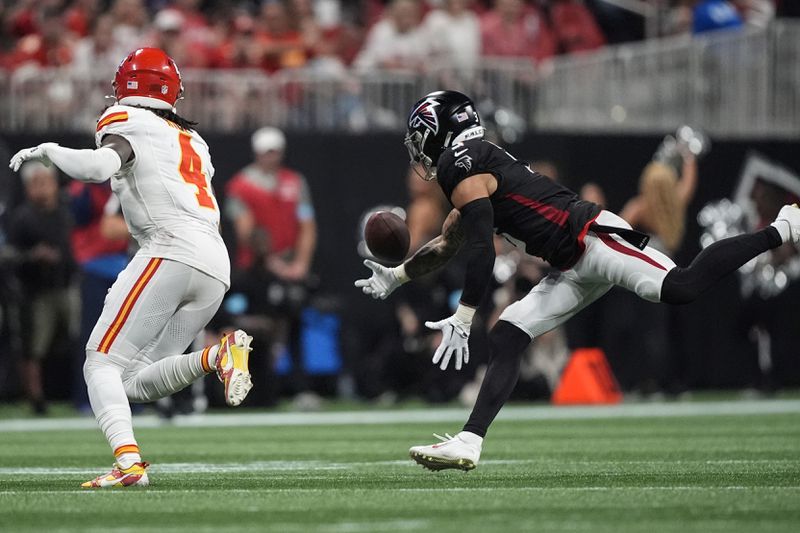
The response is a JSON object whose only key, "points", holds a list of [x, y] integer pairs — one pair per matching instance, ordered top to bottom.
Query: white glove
{"points": [[37, 153], [94, 166], [383, 281], [455, 337]]}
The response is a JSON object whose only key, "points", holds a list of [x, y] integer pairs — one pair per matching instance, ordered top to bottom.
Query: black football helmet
{"points": [[435, 123]]}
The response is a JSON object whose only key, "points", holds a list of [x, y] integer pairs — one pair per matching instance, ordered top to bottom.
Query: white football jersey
{"points": [[165, 191]]}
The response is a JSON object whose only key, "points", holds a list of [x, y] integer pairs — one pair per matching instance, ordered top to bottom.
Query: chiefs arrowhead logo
{"points": [[425, 115]]}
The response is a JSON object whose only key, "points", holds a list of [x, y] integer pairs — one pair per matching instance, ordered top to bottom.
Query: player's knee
{"points": [[507, 340], [96, 365], [90, 366], [134, 390]]}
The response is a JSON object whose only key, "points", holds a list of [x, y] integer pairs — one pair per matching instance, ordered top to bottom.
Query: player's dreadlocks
{"points": [[172, 116]]}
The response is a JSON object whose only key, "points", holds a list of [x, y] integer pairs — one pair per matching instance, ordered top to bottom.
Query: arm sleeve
{"points": [[93, 166], [477, 221]]}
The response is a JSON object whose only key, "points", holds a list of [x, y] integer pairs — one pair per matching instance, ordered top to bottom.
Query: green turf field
{"points": [[541, 470]]}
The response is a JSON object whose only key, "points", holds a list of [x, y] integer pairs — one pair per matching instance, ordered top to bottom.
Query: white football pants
{"points": [[608, 260], [135, 353]]}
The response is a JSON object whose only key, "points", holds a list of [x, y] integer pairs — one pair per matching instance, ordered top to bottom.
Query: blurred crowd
{"points": [[281, 34], [332, 34]]}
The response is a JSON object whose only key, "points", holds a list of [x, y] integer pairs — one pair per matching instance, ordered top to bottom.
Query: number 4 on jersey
{"points": [[191, 169]]}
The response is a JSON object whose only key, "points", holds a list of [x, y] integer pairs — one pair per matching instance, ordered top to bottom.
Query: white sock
{"points": [[211, 357], [164, 377], [109, 403], [471, 438], [127, 460]]}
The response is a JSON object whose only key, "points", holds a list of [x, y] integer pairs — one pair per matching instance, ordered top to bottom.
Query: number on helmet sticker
{"points": [[191, 169]]}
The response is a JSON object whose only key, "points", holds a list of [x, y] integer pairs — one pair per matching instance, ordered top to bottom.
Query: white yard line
{"points": [[447, 415], [255, 466], [304, 466]]}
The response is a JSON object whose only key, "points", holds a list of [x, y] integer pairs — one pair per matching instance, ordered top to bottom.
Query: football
{"points": [[387, 236]]}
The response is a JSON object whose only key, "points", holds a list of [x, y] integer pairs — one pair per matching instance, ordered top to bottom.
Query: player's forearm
{"points": [[93, 166], [437, 252], [431, 256]]}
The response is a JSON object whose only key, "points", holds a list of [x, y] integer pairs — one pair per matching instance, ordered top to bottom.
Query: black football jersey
{"points": [[529, 208]]}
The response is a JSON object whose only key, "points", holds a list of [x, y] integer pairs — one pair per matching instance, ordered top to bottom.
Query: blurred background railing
{"points": [[741, 84]]}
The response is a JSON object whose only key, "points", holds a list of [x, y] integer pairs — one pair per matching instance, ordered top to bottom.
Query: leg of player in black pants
{"points": [[681, 285], [506, 345]]}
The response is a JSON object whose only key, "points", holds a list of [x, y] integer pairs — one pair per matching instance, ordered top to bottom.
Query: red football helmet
{"points": [[148, 77]]}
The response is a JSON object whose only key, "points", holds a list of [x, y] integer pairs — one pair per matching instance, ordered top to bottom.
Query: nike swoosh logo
{"points": [[462, 152], [129, 475]]}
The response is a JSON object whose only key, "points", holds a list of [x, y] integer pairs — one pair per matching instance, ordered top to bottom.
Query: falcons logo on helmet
{"points": [[425, 115]]}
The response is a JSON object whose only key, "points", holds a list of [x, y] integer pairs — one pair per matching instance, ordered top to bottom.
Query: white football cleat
{"points": [[789, 214], [232, 366], [460, 452], [133, 476]]}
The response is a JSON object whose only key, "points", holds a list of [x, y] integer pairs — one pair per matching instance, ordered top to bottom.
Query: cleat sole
{"points": [[240, 382], [238, 387], [437, 463]]}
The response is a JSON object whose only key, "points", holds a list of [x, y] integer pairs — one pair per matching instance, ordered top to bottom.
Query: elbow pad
{"points": [[85, 165], [477, 221]]}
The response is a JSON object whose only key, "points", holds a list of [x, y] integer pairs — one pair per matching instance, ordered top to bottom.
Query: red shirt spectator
{"points": [[373, 12], [78, 18], [21, 19], [194, 19], [575, 27], [320, 28], [195, 29], [512, 30], [168, 35], [281, 44], [51, 47], [238, 50], [270, 206], [88, 242]]}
